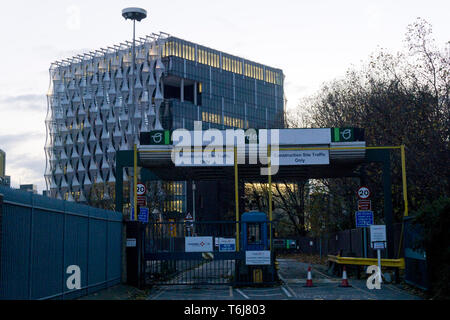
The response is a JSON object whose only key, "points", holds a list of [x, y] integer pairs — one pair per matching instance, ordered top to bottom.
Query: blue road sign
{"points": [[143, 215], [364, 219], [227, 245]]}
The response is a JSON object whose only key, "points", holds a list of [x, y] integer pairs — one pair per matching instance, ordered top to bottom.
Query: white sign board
{"points": [[304, 136], [300, 157], [204, 158], [377, 235], [131, 242], [198, 244], [378, 245], [257, 257]]}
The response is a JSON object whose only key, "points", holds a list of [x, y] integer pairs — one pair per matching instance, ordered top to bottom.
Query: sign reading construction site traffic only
{"points": [[301, 157]]}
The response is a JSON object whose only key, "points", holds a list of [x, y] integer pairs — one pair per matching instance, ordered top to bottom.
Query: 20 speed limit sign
{"points": [[140, 189], [363, 193]]}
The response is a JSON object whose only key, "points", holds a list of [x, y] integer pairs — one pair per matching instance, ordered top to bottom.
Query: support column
{"points": [[182, 91], [195, 93], [383, 156], [123, 159], [363, 182], [119, 185], [270, 195], [236, 196], [388, 217], [134, 252]]}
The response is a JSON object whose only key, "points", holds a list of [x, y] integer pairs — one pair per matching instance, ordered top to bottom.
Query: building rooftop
{"points": [[173, 46]]}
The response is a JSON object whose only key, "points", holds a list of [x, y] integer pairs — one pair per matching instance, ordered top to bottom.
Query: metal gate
{"points": [[190, 253]]}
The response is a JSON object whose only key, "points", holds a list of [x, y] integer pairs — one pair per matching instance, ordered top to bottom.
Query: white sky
{"points": [[311, 41]]}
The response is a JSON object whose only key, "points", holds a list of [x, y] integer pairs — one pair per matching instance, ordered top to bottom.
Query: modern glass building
{"points": [[222, 90], [91, 113]]}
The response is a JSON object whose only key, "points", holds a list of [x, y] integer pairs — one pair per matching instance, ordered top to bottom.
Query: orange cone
{"points": [[309, 282], [344, 282]]}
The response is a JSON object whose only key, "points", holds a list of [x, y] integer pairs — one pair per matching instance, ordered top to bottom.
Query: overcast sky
{"points": [[311, 41]]}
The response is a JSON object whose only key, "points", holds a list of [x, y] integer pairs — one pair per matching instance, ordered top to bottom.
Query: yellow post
{"points": [[135, 182], [405, 191], [270, 194], [236, 197]]}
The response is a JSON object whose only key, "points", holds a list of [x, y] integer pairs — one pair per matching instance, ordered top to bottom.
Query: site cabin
{"points": [[254, 231], [255, 239]]}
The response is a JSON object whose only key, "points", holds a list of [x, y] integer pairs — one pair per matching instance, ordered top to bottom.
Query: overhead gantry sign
{"points": [[256, 155]]}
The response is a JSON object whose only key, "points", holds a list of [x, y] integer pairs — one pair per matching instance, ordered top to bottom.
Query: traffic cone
{"points": [[309, 282], [344, 282]]}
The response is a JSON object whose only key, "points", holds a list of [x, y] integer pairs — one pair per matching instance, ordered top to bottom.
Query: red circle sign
{"points": [[140, 189], [363, 193]]}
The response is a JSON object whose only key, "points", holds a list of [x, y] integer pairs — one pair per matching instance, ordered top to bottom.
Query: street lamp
{"points": [[133, 14]]}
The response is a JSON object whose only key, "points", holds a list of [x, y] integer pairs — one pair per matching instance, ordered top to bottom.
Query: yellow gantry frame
{"points": [[269, 163], [403, 163], [236, 196], [396, 263]]}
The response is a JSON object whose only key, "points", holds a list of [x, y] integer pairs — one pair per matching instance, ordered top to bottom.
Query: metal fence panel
{"points": [[40, 237], [76, 248], [114, 253], [15, 254], [46, 254], [97, 255], [416, 271]]}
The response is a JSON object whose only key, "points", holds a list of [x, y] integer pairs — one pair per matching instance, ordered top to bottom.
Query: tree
{"points": [[400, 98], [288, 204], [434, 218]]}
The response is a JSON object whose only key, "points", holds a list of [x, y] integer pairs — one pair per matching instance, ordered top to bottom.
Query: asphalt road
{"points": [[293, 275]]}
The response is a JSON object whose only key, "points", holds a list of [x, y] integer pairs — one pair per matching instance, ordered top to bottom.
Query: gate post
{"points": [[135, 254]]}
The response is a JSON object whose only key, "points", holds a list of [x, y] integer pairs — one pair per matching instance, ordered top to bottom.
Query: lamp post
{"points": [[133, 14], [194, 187]]}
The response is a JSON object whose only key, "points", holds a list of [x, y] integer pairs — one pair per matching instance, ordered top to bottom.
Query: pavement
{"points": [[293, 275], [327, 287], [117, 292]]}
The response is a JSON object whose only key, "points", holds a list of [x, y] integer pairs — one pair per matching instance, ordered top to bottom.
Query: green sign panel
{"points": [[342, 134], [155, 137]]}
